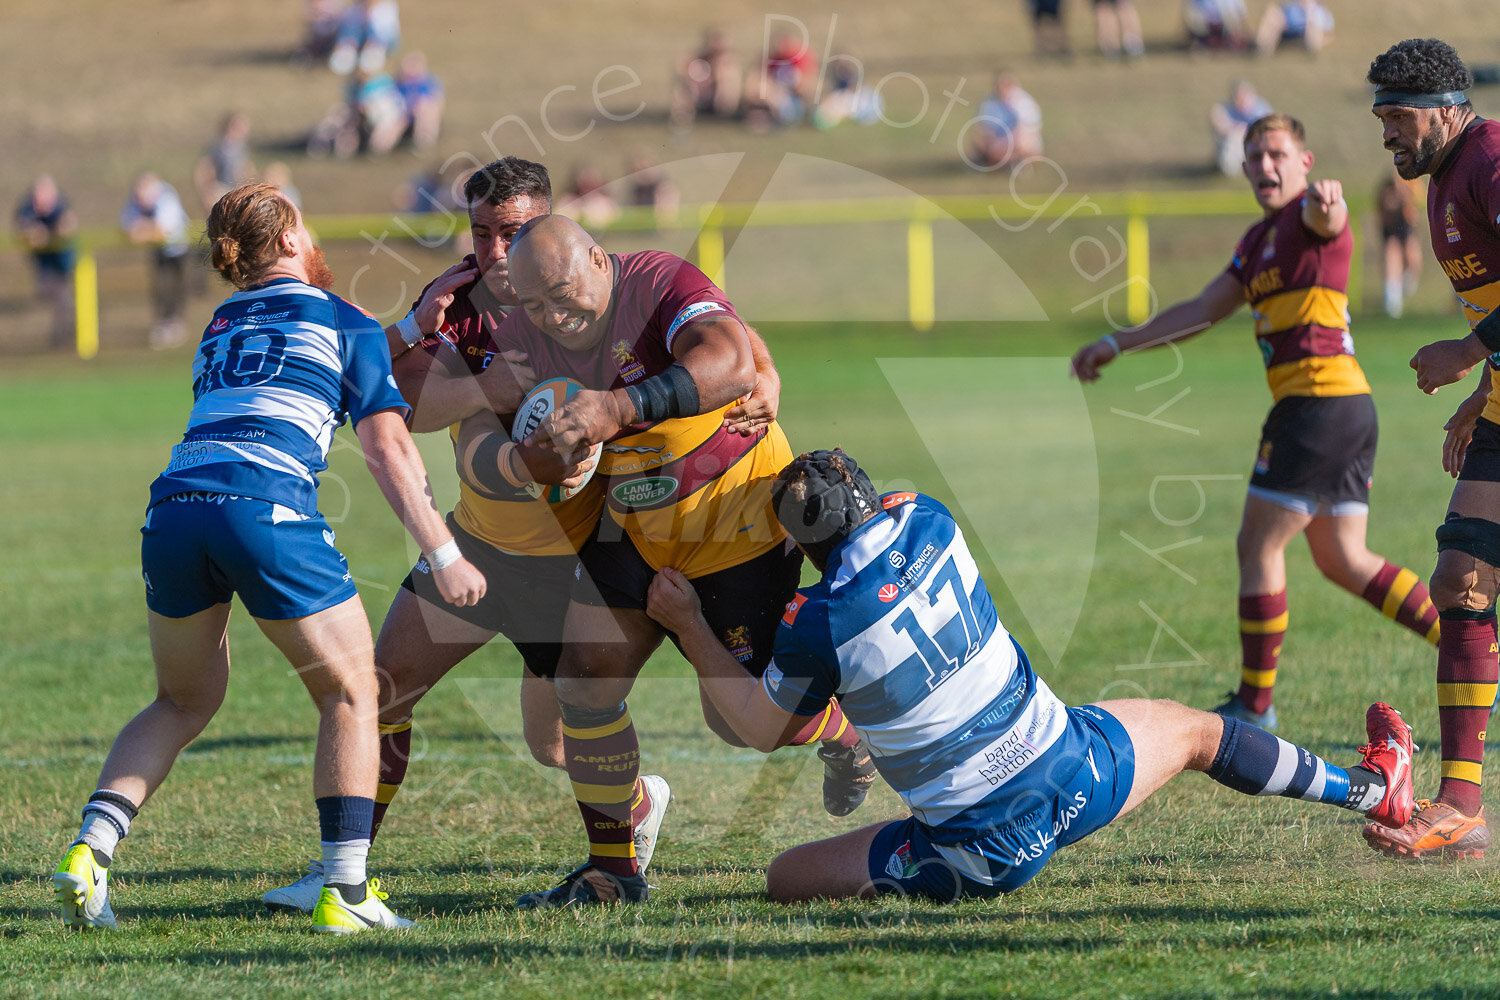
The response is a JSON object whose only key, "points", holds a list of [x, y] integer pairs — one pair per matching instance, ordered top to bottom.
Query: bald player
{"points": [[1430, 128], [662, 356]]}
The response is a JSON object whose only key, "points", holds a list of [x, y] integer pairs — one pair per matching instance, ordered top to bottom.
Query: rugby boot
{"points": [[1236, 709], [1389, 752], [1436, 831], [587, 885]]}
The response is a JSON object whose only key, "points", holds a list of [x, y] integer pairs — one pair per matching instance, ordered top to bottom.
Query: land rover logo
{"points": [[644, 492]]}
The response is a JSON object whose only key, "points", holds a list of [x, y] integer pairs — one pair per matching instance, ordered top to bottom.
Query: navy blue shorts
{"points": [[199, 549], [903, 858]]}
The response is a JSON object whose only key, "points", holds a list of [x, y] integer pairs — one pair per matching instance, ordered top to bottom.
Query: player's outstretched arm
{"points": [[1324, 210], [1219, 298], [394, 461], [738, 696]]}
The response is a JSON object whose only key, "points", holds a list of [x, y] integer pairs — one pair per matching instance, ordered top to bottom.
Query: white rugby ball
{"points": [[543, 398]]}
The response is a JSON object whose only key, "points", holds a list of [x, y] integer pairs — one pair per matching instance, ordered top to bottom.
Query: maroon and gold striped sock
{"points": [[1400, 596], [1263, 620], [1466, 677], [828, 726], [395, 755], [604, 763]]}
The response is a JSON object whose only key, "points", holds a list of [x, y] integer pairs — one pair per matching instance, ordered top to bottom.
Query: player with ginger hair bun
{"points": [[282, 363]]}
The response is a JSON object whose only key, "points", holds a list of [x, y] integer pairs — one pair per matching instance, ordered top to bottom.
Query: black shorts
{"points": [[1045, 9], [1395, 230], [1320, 447], [1482, 460], [526, 600], [742, 604]]}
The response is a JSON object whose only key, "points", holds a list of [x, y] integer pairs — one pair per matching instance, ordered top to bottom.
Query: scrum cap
{"points": [[821, 497]]}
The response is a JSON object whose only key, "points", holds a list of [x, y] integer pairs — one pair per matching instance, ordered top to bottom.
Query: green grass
{"points": [[1200, 893]]}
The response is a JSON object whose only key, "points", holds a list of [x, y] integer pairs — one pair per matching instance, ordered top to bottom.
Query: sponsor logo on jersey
{"points": [[1450, 223], [1270, 247], [260, 306], [691, 313], [219, 325], [626, 363], [644, 492], [896, 500], [888, 593], [793, 606], [737, 641], [902, 863]]}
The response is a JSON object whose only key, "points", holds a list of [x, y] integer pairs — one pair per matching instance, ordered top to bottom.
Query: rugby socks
{"points": [[1398, 594], [1263, 620], [1466, 676], [828, 726], [395, 755], [1252, 761], [604, 765], [106, 821], [344, 822]]}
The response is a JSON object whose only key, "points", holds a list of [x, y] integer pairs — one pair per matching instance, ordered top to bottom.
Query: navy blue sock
{"points": [[1252, 761], [345, 822]]}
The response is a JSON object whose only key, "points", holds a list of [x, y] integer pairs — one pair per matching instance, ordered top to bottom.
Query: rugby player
{"points": [[1430, 127], [662, 356], [282, 363], [449, 366], [1317, 446], [997, 771]]}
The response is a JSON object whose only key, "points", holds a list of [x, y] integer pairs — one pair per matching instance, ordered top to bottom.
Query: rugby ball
{"points": [[543, 398]]}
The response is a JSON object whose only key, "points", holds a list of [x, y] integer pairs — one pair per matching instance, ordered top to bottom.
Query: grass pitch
{"points": [[1105, 519]]}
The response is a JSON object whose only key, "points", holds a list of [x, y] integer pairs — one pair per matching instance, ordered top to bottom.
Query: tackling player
{"points": [[1431, 128], [281, 365], [1317, 447], [997, 771]]}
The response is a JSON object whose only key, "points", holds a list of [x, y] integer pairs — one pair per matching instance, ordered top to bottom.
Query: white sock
{"points": [[100, 833], [344, 862]]}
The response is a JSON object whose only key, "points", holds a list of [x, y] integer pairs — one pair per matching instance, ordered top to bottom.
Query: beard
{"points": [[1422, 156], [318, 273]]}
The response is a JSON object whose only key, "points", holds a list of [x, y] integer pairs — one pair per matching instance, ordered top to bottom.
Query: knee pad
{"points": [[1472, 535], [1467, 579]]}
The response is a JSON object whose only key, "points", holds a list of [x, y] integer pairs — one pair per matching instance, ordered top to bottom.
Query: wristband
{"points": [[406, 329], [1487, 331], [1114, 344], [673, 393], [444, 555]]}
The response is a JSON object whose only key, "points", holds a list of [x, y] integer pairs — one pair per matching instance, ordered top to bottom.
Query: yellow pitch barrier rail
{"points": [[711, 221]]}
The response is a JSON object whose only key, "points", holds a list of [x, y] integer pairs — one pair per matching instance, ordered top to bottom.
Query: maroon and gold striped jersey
{"points": [[1463, 217], [1296, 283], [689, 494]]}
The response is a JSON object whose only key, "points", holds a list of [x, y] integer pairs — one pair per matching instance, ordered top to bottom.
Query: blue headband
{"points": [[1412, 99]]}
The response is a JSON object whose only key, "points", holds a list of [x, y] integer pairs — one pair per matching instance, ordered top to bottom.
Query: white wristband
{"points": [[406, 329], [1114, 344], [444, 555]]}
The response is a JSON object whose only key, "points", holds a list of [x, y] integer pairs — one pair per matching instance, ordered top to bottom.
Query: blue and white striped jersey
{"points": [[280, 367], [902, 629]]}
